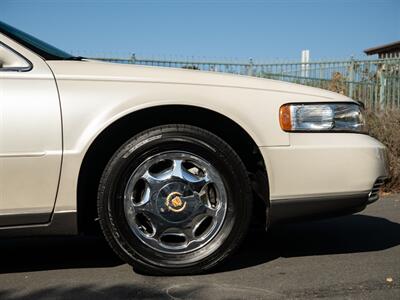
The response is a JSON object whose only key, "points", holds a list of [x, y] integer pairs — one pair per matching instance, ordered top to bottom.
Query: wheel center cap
{"points": [[174, 202]]}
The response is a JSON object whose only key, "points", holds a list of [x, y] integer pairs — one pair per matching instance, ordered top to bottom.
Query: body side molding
{"points": [[62, 223]]}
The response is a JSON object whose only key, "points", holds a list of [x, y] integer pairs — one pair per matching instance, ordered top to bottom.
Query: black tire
{"points": [[126, 160]]}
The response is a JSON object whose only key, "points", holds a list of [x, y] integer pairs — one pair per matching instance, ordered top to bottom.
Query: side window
{"points": [[12, 61]]}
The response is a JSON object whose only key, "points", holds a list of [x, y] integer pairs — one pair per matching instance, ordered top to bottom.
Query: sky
{"points": [[265, 30]]}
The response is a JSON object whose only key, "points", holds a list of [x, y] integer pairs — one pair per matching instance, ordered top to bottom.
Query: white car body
{"points": [[53, 112]]}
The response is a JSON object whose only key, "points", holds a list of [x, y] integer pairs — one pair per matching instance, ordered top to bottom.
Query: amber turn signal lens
{"points": [[285, 119]]}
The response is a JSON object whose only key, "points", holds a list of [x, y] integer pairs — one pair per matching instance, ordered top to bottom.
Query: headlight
{"points": [[309, 117]]}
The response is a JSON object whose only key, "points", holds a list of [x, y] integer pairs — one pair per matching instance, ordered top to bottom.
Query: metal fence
{"points": [[374, 82]]}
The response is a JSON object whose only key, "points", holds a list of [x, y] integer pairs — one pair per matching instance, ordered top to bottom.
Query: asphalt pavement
{"points": [[352, 257]]}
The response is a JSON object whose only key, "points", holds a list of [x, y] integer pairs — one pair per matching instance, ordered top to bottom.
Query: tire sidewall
{"points": [[202, 144]]}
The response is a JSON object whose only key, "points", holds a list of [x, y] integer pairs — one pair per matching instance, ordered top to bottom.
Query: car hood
{"points": [[104, 71]]}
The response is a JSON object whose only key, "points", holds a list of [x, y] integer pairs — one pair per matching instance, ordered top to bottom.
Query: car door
{"points": [[30, 137]]}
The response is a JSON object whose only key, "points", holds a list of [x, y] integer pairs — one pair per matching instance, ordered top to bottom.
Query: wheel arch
{"points": [[118, 132]]}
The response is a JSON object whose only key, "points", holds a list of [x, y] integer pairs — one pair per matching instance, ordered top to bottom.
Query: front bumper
{"points": [[324, 171]]}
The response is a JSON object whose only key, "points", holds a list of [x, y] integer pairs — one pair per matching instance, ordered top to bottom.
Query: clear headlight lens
{"points": [[322, 117]]}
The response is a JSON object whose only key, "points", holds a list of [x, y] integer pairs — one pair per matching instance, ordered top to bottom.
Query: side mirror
{"points": [[12, 61]]}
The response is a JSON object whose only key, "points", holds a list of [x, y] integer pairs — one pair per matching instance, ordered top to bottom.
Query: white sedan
{"points": [[171, 165]]}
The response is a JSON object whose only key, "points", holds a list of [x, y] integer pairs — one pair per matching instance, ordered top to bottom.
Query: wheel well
{"points": [[120, 131]]}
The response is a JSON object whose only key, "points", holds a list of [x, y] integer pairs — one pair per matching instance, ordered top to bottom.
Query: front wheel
{"points": [[174, 199]]}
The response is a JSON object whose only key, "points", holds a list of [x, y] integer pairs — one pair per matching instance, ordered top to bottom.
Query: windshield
{"points": [[43, 49]]}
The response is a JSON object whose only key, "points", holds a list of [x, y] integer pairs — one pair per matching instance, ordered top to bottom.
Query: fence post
{"points": [[305, 59], [250, 68], [351, 77], [382, 87]]}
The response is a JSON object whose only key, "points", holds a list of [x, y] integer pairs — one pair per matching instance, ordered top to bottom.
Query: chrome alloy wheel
{"points": [[175, 202]]}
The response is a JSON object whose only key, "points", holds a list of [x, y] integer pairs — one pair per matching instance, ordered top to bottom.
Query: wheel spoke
{"points": [[177, 170], [180, 172], [151, 180], [199, 184], [141, 208], [207, 211], [161, 228], [189, 234]]}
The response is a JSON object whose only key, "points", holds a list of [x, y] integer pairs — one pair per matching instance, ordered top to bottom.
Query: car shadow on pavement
{"points": [[350, 234], [52, 253], [122, 291]]}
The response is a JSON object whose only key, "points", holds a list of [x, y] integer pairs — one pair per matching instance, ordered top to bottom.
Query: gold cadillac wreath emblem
{"points": [[174, 202]]}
